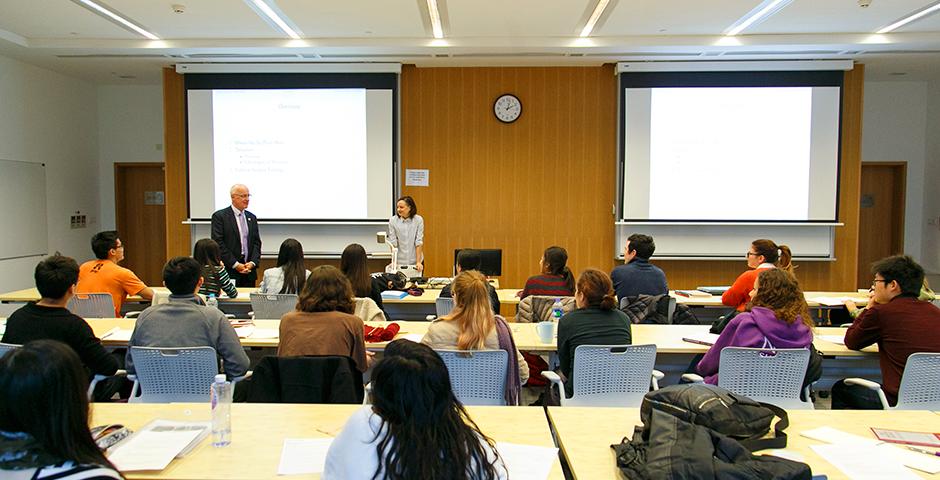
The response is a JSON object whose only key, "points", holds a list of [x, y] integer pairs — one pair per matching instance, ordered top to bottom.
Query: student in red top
{"points": [[762, 254], [104, 275], [555, 279], [895, 320]]}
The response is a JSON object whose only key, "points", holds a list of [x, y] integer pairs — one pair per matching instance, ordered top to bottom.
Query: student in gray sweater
{"points": [[185, 321]]}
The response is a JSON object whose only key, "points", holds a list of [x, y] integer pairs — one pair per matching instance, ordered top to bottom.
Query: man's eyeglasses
{"points": [[873, 282]]}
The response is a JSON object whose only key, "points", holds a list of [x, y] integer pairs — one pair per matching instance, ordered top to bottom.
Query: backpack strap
{"points": [[779, 440]]}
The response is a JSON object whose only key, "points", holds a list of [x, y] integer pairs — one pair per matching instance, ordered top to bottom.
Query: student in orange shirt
{"points": [[762, 255], [104, 275]]}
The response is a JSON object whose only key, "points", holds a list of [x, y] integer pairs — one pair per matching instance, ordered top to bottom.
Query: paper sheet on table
{"points": [[832, 301], [244, 331], [262, 333], [118, 335], [414, 337], [836, 339], [151, 450], [303, 455], [915, 460], [527, 462], [863, 462]]}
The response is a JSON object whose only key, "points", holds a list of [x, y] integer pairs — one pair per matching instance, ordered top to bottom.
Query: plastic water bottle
{"points": [[211, 301], [557, 310], [221, 411]]}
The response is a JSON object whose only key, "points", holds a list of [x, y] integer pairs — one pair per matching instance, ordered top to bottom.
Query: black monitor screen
{"points": [[491, 261]]}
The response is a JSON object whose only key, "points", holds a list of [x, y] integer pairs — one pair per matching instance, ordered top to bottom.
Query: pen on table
{"points": [[924, 450]]}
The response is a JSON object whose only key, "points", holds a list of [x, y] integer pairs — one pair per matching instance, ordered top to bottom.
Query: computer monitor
{"points": [[491, 260]]}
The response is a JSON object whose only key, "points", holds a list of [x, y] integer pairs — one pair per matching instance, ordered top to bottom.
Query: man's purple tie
{"points": [[243, 226]]}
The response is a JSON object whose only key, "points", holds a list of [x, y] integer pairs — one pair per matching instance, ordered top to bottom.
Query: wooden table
{"points": [[715, 300], [409, 308], [259, 430], [585, 434]]}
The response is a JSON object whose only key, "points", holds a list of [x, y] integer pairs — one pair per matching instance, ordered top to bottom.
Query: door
{"points": [[881, 216], [141, 222]]}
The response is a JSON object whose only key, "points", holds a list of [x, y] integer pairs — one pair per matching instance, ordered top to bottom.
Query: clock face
{"points": [[507, 108]]}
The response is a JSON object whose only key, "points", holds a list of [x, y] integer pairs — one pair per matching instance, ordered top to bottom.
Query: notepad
{"points": [[693, 293], [118, 335], [705, 338], [837, 339], [848, 442]]}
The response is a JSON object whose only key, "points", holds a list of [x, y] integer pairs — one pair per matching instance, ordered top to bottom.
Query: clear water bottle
{"points": [[211, 301], [557, 310], [221, 411]]}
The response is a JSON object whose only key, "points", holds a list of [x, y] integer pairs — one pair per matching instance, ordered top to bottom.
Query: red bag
{"points": [[537, 365]]}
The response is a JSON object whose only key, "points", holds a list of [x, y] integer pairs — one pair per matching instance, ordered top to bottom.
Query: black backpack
{"points": [[698, 431]]}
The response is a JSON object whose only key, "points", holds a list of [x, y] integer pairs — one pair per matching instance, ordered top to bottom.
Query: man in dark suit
{"points": [[235, 229]]}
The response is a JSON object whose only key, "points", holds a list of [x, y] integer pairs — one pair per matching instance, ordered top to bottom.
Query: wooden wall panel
{"points": [[174, 142], [547, 179], [837, 275]]}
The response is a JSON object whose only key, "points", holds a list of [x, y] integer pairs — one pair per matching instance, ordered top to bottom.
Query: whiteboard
{"points": [[23, 207], [318, 240], [729, 241]]}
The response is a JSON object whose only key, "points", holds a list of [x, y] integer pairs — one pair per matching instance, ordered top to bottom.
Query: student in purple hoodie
{"points": [[776, 317]]}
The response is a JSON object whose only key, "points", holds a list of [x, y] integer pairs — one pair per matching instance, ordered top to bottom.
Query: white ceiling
{"points": [[62, 36]]}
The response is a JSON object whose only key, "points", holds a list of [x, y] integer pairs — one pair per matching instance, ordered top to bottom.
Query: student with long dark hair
{"points": [[763, 254], [353, 264], [289, 274], [555, 277], [215, 279], [44, 416], [415, 427]]}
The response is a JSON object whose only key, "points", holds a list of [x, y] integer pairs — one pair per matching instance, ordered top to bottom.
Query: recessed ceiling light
{"points": [[269, 11], [760, 13], [917, 15], [435, 16], [595, 16], [115, 17]]}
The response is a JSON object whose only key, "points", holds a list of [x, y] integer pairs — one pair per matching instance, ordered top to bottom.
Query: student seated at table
{"points": [[762, 255], [469, 259], [353, 264], [290, 273], [104, 275], [637, 276], [215, 278], [555, 278], [926, 295], [776, 317], [50, 319], [895, 320], [184, 321], [596, 322], [323, 323], [473, 326], [44, 416], [415, 427]]}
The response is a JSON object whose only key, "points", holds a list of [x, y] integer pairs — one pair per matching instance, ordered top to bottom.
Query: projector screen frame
{"points": [[748, 78], [301, 80]]}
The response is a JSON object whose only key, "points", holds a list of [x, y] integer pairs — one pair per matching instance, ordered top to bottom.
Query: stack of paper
{"points": [[393, 295], [157, 444], [884, 454], [303, 456]]}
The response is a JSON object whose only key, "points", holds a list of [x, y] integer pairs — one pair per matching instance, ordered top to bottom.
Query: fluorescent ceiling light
{"points": [[929, 9], [269, 12], [758, 14], [435, 15], [595, 15], [115, 17]]}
